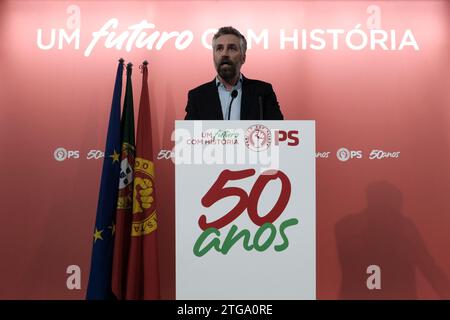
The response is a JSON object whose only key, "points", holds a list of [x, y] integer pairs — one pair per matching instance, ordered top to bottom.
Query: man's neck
{"points": [[229, 84]]}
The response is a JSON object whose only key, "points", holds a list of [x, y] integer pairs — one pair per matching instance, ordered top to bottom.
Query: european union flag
{"points": [[99, 286]]}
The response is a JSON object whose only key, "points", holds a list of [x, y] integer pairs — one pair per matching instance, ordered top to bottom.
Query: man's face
{"points": [[228, 57]]}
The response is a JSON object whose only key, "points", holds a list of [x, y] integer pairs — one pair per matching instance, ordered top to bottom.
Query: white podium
{"points": [[245, 210]]}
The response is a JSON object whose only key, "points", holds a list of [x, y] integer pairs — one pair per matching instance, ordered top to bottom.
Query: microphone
{"points": [[234, 94], [260, 101]]}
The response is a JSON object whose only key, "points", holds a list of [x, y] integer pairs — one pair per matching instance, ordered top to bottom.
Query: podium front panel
{"points": [[245, 210]]}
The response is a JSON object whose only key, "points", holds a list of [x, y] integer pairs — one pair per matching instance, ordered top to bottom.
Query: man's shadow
{"points": [[381, 236]]}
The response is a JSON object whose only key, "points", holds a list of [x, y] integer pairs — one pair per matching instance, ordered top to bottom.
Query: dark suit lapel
{"points": [[214, 100], [245, 101]]}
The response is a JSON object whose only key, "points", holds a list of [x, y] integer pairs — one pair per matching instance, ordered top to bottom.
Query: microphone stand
{"points": [[234, 94], [260, 101]]}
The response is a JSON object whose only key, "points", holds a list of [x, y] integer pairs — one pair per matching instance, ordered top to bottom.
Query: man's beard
{"points": [[227, 71]]}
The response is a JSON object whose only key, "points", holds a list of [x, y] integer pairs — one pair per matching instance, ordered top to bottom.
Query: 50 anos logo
{"points": [[95, 154], [264, 237]]}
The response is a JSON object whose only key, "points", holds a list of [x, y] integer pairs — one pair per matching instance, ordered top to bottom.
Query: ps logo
{"points": [[290, 136], [62, 154], [343, 154]]}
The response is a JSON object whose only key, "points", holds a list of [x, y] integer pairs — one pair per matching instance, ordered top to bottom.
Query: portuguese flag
{"points": [[125, 196]]}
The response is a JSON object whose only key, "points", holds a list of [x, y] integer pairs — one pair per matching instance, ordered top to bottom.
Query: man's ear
{"points": [[243, 58]]}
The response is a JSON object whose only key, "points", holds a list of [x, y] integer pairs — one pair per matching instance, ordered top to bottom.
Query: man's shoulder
{"points": [[257, 83], [202, 87]]}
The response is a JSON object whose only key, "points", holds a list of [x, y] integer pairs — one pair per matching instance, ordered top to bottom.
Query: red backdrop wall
{"points": [[393, 212]]}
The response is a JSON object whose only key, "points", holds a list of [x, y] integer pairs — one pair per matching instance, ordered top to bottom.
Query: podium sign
{"points": [[245, 210]]}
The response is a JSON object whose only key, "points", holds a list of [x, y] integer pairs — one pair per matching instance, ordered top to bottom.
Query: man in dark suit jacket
{"points": [[231, 96]]}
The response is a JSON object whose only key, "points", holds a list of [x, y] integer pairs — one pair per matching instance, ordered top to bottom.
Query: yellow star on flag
{"points": [[115, 156], [97, 235]]}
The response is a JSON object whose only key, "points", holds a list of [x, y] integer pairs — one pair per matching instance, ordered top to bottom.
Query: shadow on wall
{"points": [[380, 236]]}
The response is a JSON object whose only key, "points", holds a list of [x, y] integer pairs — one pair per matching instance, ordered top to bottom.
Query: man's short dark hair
{"points": [[230, 30]]}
